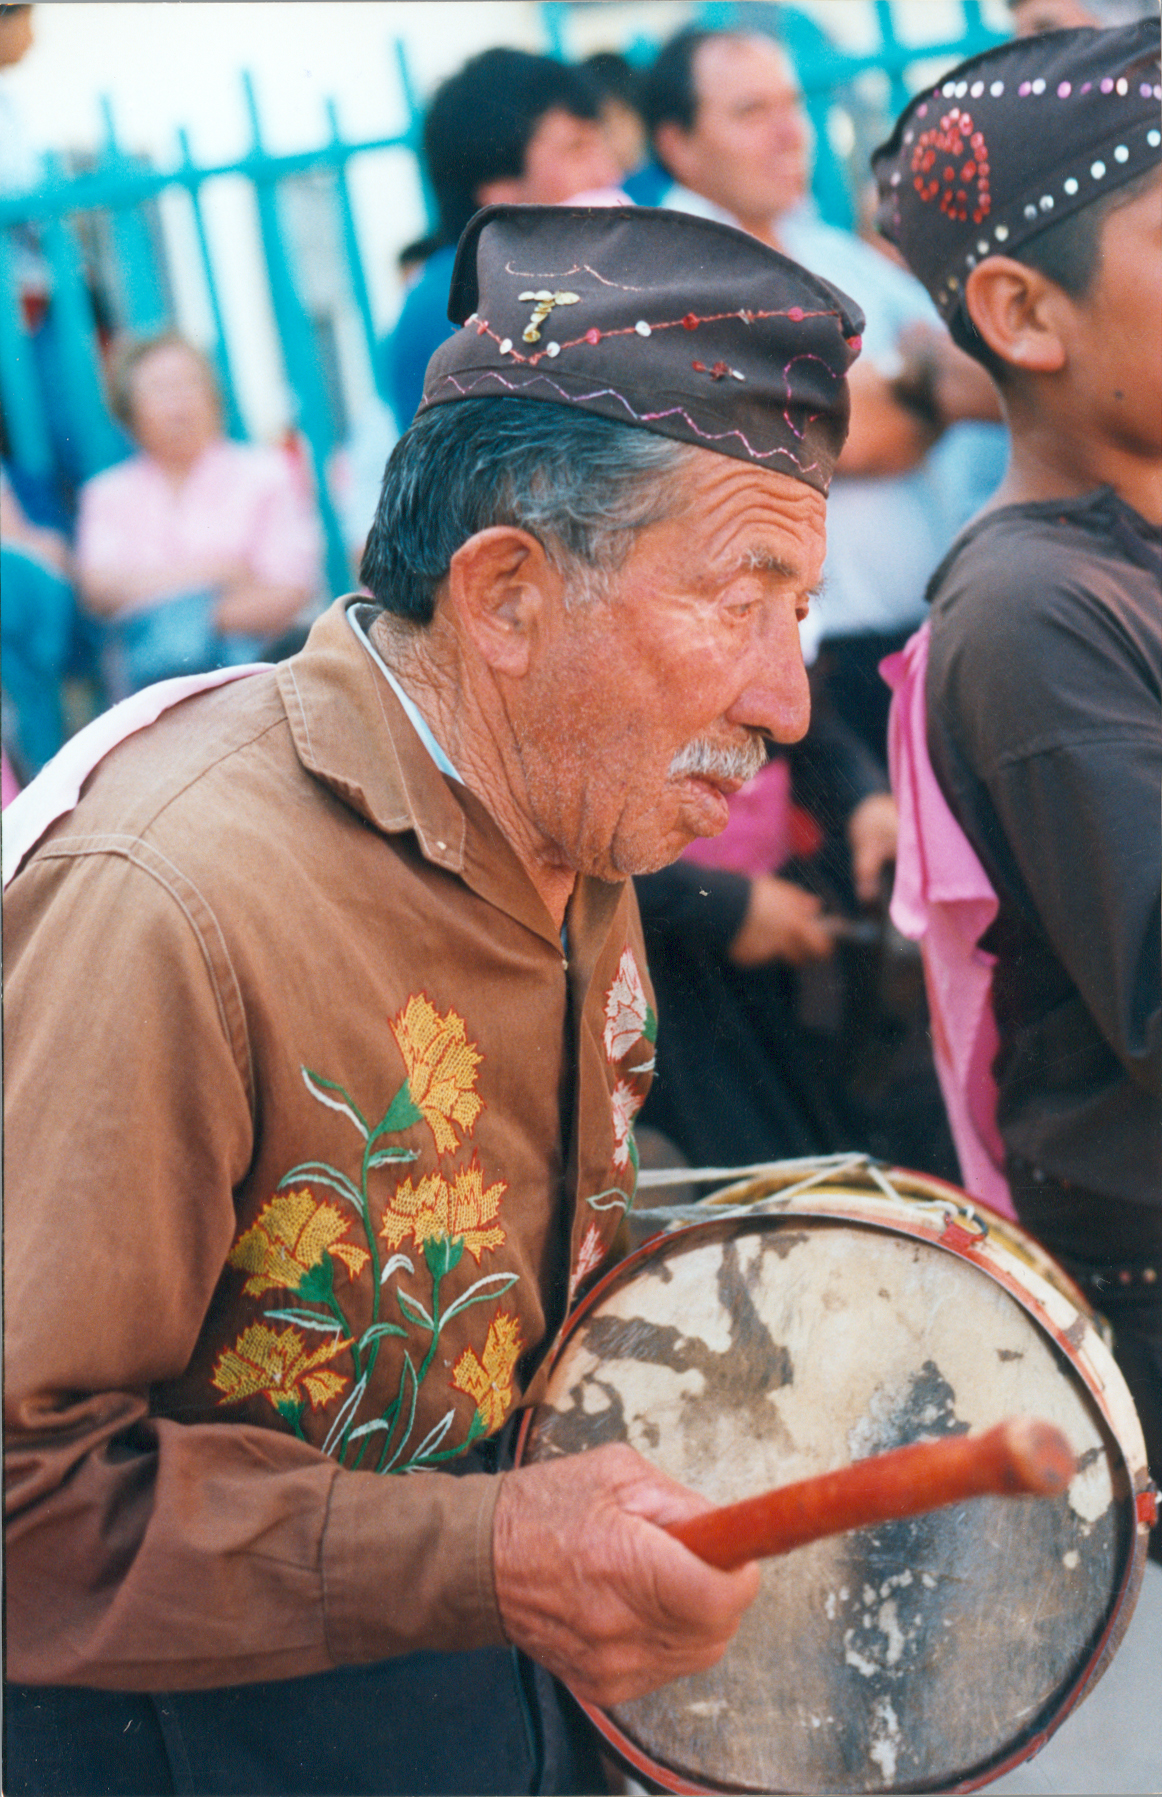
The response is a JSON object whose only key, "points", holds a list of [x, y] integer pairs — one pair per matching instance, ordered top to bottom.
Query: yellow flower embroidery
{"points": [[441, 1069], [433, 1209], [291, 1236], [276, 1364], [489, 1381]]}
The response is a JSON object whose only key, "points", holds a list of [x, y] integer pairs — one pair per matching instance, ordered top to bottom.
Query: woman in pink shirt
{"points": [[197, 551]]}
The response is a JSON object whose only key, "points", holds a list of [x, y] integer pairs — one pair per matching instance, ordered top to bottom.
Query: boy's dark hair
{"points": [[613, 78], [669, 95], [480, 122], [1066, 254]]}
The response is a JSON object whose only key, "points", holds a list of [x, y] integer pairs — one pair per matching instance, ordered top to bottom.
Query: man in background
{"points": [[1033, 16], [507, 128]]}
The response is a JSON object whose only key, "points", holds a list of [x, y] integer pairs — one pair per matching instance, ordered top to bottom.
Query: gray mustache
{"points": [[709, 759]]}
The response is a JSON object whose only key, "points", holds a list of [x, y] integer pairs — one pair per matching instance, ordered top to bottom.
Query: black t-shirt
{"points": [[1044, 699]]}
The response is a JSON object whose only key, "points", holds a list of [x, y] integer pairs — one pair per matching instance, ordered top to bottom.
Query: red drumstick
{"points": [[1020, 1457]]}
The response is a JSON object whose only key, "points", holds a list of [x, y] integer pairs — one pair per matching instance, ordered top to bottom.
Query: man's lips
{"points": [[707, 795]]}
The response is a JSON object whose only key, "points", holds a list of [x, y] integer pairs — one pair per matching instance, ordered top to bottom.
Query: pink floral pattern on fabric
{"points": [[626, 1009], [626, 1104], [590, 1255]]}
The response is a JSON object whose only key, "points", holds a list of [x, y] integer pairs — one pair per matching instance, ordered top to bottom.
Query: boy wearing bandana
{"points": [[1025, 191]]}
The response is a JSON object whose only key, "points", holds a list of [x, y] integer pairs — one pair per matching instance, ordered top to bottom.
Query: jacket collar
{"points": [[351, 732]]}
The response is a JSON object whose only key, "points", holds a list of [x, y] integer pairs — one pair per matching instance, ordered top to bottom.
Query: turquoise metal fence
{"points": [[51, 389], [69, 430]]}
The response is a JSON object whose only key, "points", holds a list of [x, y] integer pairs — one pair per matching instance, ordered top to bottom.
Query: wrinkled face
{"points": [[1032, 16], [749, 149], [566, 155], [1115, 346], [173, 408], [644, 709]]}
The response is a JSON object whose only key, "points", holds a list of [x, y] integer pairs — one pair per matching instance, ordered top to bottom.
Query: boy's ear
{"points": [[1017, 311], [499, 585]]}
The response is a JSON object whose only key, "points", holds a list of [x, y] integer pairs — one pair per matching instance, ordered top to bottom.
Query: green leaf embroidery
{"points": [[650, 1029], [319, 1087], [401, 1113], [382, 1156], [319, 1173], [613, 1198], [443, 1253], [318, 1282], [476, 1294], [414, 1310], [307, 1319], [378, 1329], [293, 1412]]}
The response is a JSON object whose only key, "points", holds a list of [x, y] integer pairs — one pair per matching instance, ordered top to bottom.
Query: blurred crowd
{"points": [[792, 1017]]}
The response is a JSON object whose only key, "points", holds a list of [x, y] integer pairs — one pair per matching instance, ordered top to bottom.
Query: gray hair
{"points": [[581, 484]]}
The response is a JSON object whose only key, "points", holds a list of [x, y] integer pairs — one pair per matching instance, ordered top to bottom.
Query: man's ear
{"points": [[671, 147], [1018, 312], [500, 584]]}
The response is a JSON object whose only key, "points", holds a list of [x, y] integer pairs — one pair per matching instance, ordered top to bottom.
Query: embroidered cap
{"points": [[1013, 141], [682, 326]]}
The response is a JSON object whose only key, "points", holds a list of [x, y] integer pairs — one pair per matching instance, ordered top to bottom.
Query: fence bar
{"points": [[412, 138], [354, 260], [145, 304], [298, 346], [221, 352], [97, 441], [29, 442]]}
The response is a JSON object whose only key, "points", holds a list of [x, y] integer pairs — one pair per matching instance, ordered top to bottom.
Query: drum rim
{"points": [[719, 1209]]}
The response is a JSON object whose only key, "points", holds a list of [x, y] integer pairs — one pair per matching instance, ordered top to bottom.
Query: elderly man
{"points": [[727, 118], [327, 1024]]}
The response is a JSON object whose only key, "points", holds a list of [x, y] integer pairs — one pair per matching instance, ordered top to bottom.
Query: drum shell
{"points": [[931, 1653]]}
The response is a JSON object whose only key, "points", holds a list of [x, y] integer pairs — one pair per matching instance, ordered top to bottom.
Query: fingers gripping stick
{"points": [[1020, 1457]]}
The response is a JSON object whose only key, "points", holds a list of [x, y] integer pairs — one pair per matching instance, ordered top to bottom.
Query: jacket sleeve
{"points": [[145, 1553]]}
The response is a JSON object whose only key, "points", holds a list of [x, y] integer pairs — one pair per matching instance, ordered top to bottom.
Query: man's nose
{"points": [[774, 696]]}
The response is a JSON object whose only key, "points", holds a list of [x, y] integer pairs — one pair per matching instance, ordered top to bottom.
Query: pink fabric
{"points": [[239, 503], [9, 784], [57, 787], [757, 838], [944, 900]]}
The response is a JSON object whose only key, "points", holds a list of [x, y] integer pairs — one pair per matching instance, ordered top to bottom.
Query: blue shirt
{"points": [[422, 326]]}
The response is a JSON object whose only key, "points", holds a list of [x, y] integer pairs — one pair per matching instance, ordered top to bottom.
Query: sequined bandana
{"points": [[1013, 141], [676, 324]]}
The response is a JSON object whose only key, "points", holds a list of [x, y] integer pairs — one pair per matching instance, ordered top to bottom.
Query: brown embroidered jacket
{"points": [[311, 1128]]}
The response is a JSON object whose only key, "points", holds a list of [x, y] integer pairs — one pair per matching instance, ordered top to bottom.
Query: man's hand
{"points": [[872, 831], [781, 924], [590, 1585]]}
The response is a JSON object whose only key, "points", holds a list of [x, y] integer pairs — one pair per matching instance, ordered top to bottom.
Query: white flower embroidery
{"points": [[625, 1009], [625, 1104], [590, 1254]]}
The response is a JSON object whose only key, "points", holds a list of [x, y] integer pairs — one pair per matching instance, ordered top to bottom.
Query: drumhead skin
{"points": [[787, 1337]]}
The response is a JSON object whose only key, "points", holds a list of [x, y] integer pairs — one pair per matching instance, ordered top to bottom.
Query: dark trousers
{"points": [[1113, 1249], [478, 1723]]}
